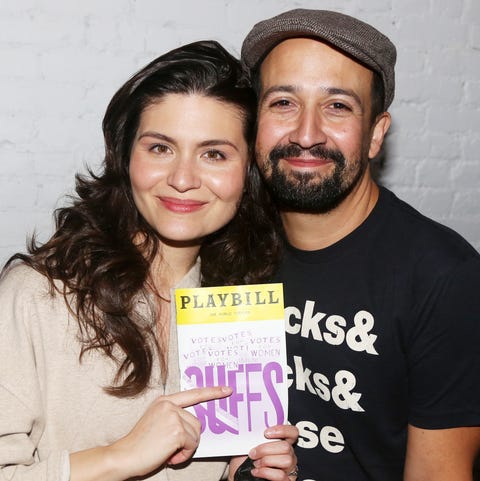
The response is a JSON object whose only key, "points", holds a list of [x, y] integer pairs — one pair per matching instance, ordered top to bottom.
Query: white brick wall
{"points": [[62, 60]]}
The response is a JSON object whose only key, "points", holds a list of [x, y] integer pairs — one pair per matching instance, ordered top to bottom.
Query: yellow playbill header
{"points": [[229, 303]]}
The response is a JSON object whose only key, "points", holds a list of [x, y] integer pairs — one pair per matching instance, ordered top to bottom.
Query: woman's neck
{"points": [[171, 264]]}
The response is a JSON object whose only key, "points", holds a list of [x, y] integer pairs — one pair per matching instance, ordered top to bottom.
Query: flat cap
{"points": [[357, 39]]}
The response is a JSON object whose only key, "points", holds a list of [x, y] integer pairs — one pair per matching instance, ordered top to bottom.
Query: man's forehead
{"points": [[307, 50], [298, 62]]}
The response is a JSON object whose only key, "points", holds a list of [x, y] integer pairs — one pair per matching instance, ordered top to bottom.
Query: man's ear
{"points": [[379, 129]]}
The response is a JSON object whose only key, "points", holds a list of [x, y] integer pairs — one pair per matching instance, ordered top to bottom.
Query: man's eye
{"points": [[280, 103], [340, 106], [214, 155]]}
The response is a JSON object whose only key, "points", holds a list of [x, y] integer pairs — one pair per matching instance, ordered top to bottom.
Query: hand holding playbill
{"points": [[234, 336]]}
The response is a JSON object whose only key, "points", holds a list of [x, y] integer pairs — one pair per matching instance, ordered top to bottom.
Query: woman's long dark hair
{"points": [[93, 252]]}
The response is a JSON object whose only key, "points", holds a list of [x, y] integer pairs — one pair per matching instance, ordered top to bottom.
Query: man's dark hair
{"points": [[378, 97]]}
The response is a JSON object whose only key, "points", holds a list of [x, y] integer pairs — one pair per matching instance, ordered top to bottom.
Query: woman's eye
{"points": [[159, 149], [214, 155]]}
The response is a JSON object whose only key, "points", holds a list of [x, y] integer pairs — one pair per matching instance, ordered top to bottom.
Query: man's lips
{"points": [[307, 161], [181, 205]]}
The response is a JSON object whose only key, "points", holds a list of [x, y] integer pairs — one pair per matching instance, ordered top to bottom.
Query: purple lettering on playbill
{"points": [[241, 345]]}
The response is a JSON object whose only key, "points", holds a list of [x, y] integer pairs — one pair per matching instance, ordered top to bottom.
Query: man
{"points": [[383, 311]]}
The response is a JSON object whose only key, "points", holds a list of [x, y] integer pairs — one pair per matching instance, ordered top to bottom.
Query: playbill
{"points": [[234, 336]]}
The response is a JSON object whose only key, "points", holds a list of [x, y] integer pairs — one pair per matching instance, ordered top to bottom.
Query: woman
{"points": [[88, 372]]}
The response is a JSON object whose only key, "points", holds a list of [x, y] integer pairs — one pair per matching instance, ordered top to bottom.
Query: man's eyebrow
{"points": [[279, 88], [328, 90], [348, 92]]}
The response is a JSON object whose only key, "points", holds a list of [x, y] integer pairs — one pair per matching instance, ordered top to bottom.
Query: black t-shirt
{"points": [[383, 330]]}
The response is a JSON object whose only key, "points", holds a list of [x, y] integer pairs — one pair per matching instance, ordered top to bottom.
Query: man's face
{"points": [[314, 126]]}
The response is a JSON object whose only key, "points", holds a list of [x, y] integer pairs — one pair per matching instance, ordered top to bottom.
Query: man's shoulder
{"points": [[412, 232]]}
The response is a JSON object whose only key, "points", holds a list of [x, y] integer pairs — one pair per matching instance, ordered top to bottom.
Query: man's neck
{"points": [[317, 231]]}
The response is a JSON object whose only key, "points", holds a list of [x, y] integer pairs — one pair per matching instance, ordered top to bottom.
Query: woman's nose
{"points": [[184, 174]]}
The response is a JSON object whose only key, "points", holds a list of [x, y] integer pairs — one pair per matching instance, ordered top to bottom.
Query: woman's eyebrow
{"points": [[156, 135], [214, 142], [205, 143]]}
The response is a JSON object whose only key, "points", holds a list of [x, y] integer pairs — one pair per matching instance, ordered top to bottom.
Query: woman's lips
{"points": [[181, 205]]}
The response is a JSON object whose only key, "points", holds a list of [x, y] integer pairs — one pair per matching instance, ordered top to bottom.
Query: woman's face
{"points": [[187, 166]]}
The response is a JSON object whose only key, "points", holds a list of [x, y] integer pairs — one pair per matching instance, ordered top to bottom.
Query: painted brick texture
{"points": [[61, 61]]}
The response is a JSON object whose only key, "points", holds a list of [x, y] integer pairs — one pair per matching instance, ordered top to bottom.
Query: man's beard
{"points": [[311, 192]]}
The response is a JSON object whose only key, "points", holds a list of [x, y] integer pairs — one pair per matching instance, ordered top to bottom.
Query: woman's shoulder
{"points": [[20, 277], [29, 300]]}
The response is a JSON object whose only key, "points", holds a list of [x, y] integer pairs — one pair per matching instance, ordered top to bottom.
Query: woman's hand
{"points": [[165, 434], [273, 460]]}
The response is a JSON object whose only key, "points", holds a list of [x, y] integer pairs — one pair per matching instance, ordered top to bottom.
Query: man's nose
{"points": [[308, 130], [184, 174]]}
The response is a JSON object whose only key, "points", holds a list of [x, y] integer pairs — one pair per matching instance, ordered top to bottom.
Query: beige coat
{"points": [[50, 404]]}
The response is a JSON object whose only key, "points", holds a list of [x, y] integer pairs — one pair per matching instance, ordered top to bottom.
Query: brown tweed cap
{"points": [[358, 39]]}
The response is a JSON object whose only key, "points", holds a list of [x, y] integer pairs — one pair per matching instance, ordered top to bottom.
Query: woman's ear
{"points": [[379, 129]]}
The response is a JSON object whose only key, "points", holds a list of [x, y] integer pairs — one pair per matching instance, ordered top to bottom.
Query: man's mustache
{"points": [[317, 151]]}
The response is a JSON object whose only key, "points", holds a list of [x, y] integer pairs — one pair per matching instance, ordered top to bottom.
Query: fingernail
{"points": [[226, 389], [271, 433], [252, 453]]}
